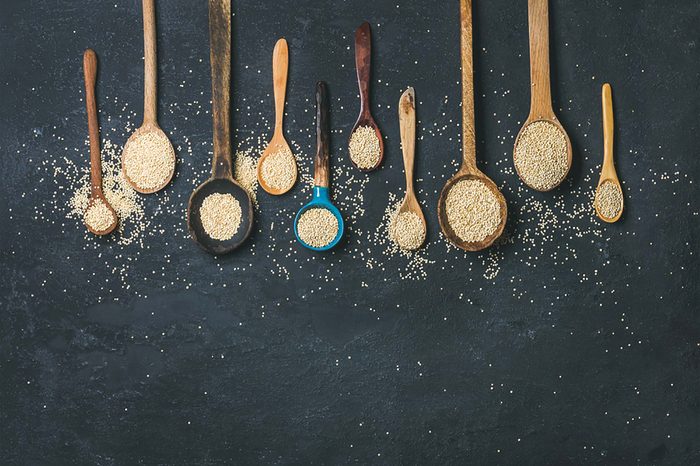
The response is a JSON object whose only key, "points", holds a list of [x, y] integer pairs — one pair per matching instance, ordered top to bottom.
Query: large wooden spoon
{"points": [[363, 61], [540, 83], [407, 123], [278, 144], [468, 170], [155, 173], [608, 174], [221, 181], [96, 195]]}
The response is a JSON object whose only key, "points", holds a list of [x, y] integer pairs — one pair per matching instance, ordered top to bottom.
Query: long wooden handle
{"points": [[220, 57], [363, 59], [280, 70], [90, 71], [150, 80], [540, 93], [407, 123], [608, 127], [468, 134], [322, 159]]}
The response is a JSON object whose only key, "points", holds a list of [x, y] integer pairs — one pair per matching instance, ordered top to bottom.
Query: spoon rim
{"points": [[321, 202]]}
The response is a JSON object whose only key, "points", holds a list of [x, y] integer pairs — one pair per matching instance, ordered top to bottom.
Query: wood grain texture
{"points": [[220, 56], [363, 63], [280, 70], [90, 72], [150, 80], [540, 84], [468, 131], [322, 158], [608, 171]]}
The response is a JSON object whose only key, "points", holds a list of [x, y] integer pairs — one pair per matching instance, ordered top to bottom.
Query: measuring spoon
{"points": [[363, 60], [280, 68], [540, 85], [407, 122], [150, 130], [468, 170], [608, 172], [221, 180], [96, 194], [321, 197]]}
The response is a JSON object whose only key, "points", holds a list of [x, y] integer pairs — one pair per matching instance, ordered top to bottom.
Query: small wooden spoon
{"points": [[363, 59], [280, 68], [541, 92], [150, 103], [407, 122], [468, 169], [608, 172], [221, 180], [96, 194]]}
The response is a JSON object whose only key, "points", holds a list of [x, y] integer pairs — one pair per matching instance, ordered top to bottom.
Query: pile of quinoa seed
{"points": [[364, 148], [541, 155], [148, 159], [279, 169], [608, 200], [473, 211], [220, 214], [99, 216], [317, 227], [407, 230]]}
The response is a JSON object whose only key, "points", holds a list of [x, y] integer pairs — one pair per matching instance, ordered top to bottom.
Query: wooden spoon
{"points": [[363, 59], [280, 67], [540, 92], [407, 122], [150, 128], [468, 169], [608, 172], [221, 180], [96, 194]]}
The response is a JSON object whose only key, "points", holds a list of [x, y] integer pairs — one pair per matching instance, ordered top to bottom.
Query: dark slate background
{"points": [[298, 370]]}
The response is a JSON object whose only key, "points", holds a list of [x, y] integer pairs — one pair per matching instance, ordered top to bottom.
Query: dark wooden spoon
{"points": [[363, 59], [468, 169], [221, 180], [96, 194]]}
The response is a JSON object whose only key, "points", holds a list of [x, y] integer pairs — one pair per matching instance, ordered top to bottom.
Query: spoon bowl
{"points": [[363, 61], [280, 69], [553, 120], [168, 156], [95, 197], [321, 199]]}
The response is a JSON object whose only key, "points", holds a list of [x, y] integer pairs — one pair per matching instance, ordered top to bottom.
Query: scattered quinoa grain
{"points": [[364, 147], [541, 155], [149, 159], [279, 169], [608, 200], [473, 211], [99, 216], [221, 216], [317, 227], [407, 230]]}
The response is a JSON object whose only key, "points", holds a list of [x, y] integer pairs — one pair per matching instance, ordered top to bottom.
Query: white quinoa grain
{"points": [[364, 147], [541, 155], [149, 159], [279, 169], [608, 200], [473, 210], [98, 216], [221, 216], [317, 227], [407, 230]]}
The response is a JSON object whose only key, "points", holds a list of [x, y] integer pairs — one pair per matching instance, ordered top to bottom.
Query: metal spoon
{"points": [[280, 67], [150, 104], [468, 169], [608, 172], [221, 180], [96, 194]]}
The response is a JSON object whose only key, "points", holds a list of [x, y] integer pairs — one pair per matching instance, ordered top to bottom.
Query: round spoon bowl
{"points": [[368, 121], [276, 145], [569, 152], [168, 157], [321, 200], [410, 205], [600, 215], [194, 221], [114, 223], [447, 228]]}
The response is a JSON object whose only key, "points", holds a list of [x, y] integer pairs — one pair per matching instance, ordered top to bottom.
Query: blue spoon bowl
{"points": [[321, 200]]}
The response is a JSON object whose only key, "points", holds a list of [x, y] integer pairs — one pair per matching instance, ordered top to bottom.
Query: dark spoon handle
{"points": [[220, 56], [363, 59], [90, 71], [322, 159]]}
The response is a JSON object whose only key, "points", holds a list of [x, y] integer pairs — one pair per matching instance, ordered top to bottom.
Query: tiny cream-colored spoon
{"points": [[407, 121], [278, 144], [157, 167], [608, 174], [96, 194]]}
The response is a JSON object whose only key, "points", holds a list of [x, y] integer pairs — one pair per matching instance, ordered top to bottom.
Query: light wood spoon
{"points": [[363, 61], [280, 68], [540, 84], [407, 122], [150, 128], [468, 169], [608, 172], [96, 194]]}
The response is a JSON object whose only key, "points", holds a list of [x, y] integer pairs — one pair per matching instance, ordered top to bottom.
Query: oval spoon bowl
{"points": [[368, 120], [148, 128], [276, 145], [569, 151], [194, 220]]}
